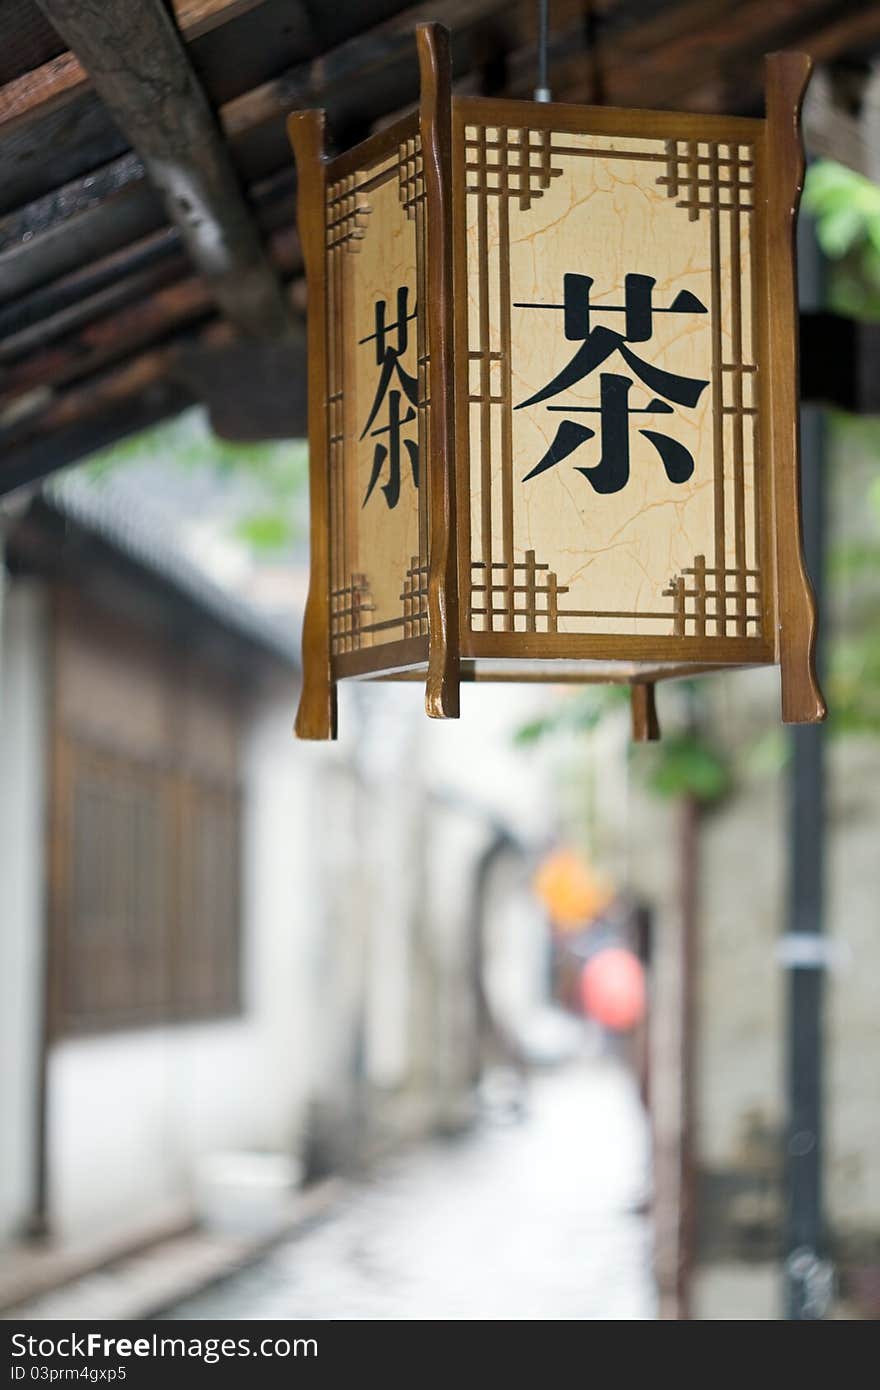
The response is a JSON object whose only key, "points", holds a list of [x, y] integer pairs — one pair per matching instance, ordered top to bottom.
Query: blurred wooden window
{"points": [[145, 829]]}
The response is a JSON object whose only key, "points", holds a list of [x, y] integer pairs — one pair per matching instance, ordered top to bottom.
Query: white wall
{"points": [[22, 790], [403, 814], [359, 866], [852, 1020], [132, 1113]]}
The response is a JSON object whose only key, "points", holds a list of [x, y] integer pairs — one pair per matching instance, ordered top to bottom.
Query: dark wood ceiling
{"points": [[108, 322]]}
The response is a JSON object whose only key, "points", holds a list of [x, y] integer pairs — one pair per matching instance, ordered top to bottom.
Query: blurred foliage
{"points": [[846, 206], [846, 209], [276, 474], [853, 678], [854, 685], [577, 713], [768, 753], [686, 762], [689, 763]]}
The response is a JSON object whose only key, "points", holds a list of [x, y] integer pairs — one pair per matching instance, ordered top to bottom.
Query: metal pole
{"points": [[542, 90], [688, 964], [808, 1278]]}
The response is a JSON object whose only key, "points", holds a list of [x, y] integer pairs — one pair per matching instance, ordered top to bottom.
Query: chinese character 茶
{"points": [[391, 341], [597, 343]]}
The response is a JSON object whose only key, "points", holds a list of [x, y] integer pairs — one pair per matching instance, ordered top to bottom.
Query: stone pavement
{"points": [[538, 1219]]}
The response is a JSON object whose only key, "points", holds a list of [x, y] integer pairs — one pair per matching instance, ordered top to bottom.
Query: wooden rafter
{"points": [[694, 54], [383, 58], [141, 71], [59, 81], [325, 82], [52, 84], [135, 268], [121, 329], [130, 396], [65, 425]]}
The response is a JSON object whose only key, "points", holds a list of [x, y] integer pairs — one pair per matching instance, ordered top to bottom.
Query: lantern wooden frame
{"points": [[428, 157]]}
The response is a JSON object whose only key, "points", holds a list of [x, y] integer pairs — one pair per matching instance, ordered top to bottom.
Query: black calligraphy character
{"points": [[598, 343], [388, 360]]}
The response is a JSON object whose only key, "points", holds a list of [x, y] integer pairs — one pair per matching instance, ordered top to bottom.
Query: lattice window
{"points": [[146, 832], [118, 909], [147, 916], [207, 975]]}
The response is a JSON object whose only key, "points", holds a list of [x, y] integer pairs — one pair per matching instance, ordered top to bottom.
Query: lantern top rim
{"points": [[622, 120]]}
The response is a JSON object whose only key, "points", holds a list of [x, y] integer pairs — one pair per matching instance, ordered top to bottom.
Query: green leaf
{"points": [[846, 207], [840, 229], [275, 474], [266, 531], [855, 559], [854, 682], [579, 712], [534, 730], [768, 754], [688, 765]]}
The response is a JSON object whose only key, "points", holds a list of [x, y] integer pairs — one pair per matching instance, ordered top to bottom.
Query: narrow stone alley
{"points": [[534, 1219]]}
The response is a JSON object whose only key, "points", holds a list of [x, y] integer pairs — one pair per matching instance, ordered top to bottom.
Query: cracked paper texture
{"points": [[604, 217]]}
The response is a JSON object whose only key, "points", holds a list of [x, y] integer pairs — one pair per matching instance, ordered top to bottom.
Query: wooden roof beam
{"points": [[699, 54], [140, 69], [61, 79], [42, 90], [34, 241], [118, 330], [133, 395], [70, 423], [27, 463]]}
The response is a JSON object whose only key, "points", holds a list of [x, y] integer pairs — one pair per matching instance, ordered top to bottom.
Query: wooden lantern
{"points": [[553, 405]]}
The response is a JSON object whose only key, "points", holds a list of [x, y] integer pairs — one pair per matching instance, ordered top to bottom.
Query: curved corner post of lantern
{"points": [[787, 75], [435, 128], [643, 710], [316, 716]]}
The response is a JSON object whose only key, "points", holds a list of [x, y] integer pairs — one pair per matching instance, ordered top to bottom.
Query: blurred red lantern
{"points": [[613, 989]]}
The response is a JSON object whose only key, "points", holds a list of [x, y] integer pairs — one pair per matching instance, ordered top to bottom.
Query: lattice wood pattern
{"points": [[529, 593]]}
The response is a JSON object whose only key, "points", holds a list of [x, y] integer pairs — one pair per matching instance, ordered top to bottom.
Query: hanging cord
{"points": [[542, 91]]}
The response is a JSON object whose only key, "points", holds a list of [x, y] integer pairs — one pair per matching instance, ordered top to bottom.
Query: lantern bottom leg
{"points": [[442, 688], [802, 698], [643, 707], [316, 715]]}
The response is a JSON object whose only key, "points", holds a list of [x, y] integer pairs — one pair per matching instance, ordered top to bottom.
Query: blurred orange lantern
{"points": [[571, 893], [613, 989]]}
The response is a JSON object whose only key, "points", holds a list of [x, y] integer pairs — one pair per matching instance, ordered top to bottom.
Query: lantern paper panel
{"points": [[377, 363], [553, 411], [612, 445]]}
